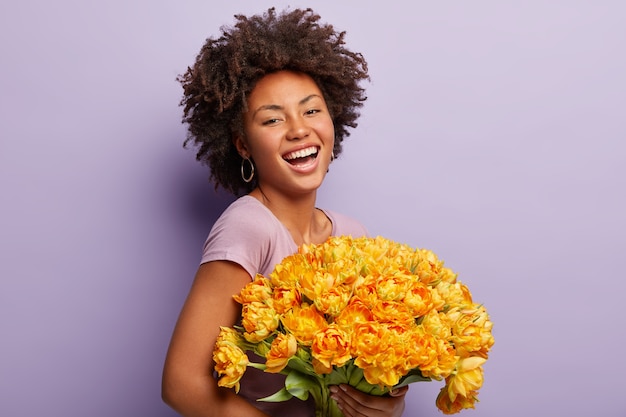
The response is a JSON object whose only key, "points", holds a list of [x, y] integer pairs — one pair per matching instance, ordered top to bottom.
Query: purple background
{"points": [[494, 135]]}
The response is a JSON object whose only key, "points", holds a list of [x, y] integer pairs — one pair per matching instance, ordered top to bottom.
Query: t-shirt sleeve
{"points": [[241, 235]]}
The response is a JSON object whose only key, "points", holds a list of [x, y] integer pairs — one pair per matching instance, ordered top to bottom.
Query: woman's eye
{"points": [[312, 111], [270, 122]]}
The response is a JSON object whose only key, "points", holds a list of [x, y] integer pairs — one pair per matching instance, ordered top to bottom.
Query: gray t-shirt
{"points": [[249, 234]]}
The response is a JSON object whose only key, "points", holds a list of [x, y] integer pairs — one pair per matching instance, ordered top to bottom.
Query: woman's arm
{"points": [[188, 385]]}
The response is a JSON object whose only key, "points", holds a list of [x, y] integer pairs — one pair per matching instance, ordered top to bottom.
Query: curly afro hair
{"points": [[227, 69]]}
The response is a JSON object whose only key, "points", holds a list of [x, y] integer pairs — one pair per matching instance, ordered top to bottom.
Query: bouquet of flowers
{"points": [[368, 312]]}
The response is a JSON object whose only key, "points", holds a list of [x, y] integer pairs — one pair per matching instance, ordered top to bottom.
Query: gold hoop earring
{"points": [[243, 174]]}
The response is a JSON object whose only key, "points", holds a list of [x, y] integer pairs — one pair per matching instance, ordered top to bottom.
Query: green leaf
{"points": [[301, 366], [337, 376], [356, 376], [411, 377], [299, 384], [370, 389], [282, 395]]}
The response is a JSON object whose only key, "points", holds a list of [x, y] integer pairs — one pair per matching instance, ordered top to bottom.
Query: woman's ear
{"points": [[240, 145]]}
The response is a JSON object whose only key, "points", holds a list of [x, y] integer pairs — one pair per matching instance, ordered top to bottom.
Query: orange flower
{"points": [[427, 267], [286, 273], [447, 275], [314, 284], [393, 286], [258, 290], [365, 290], [455, 294], [284, 299], [419, 299], [333, 301], [439, 303], [392, 311], [355, 313], [260, 320], [303, 322], [438, 324], [471, 331], [228, 335], [367, 340], [331, 347], [281, 350], [380, 351], [423, 352], [230, 360], [446, 360], [443, 362], [320, 368], [467, 377], [449, 406]]}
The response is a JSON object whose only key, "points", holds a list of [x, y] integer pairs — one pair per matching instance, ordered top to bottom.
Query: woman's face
{"points": [[288, 133]]}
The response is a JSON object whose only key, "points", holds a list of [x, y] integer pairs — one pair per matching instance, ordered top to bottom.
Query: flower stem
{"points": [[324, 405]]}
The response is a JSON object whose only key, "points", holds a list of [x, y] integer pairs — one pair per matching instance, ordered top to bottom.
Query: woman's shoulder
{"points": [[246, 203], [245, 209], [246, 214], [245, 233]]}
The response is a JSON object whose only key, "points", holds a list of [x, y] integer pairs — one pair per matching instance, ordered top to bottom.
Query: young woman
{"points": [[268, 105]]}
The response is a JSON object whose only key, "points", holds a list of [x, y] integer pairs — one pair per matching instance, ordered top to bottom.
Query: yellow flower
{"points": [[336, 248], [427, 267], [344, 271], [286, 273], [447, 275], [312, 284], [393, 286], [258, 290], [365, 290], [455, 294], [284, 299], [419, 299], [333, 301], [439, 303], [392, 311], [355, 313], [260, 321], [303, 322], [437, 324], [471, 331], [228, 335], [367, 340], [331, 347], [281, 350], [380, 350], [423, 352], [230, 360], [446, 361], [467, 377], [448, 406]]}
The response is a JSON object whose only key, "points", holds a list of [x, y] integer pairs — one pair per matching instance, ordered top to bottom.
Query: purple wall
{"points": [[494, 134]]}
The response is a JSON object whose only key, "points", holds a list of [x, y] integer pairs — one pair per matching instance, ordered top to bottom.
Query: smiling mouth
{"points": [[302, 156]]}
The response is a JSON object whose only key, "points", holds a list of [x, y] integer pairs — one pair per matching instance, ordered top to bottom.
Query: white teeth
{"points": [[302, 153]]}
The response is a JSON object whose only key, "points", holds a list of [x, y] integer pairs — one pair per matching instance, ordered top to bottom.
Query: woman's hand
{"points": [[354, 403]]}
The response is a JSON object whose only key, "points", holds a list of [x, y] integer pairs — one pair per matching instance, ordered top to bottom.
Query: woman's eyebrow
{"points": [[308, 98], [278, 107]]}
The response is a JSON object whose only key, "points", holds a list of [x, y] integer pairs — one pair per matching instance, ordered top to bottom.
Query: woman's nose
{"points": [[298, 129]]}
